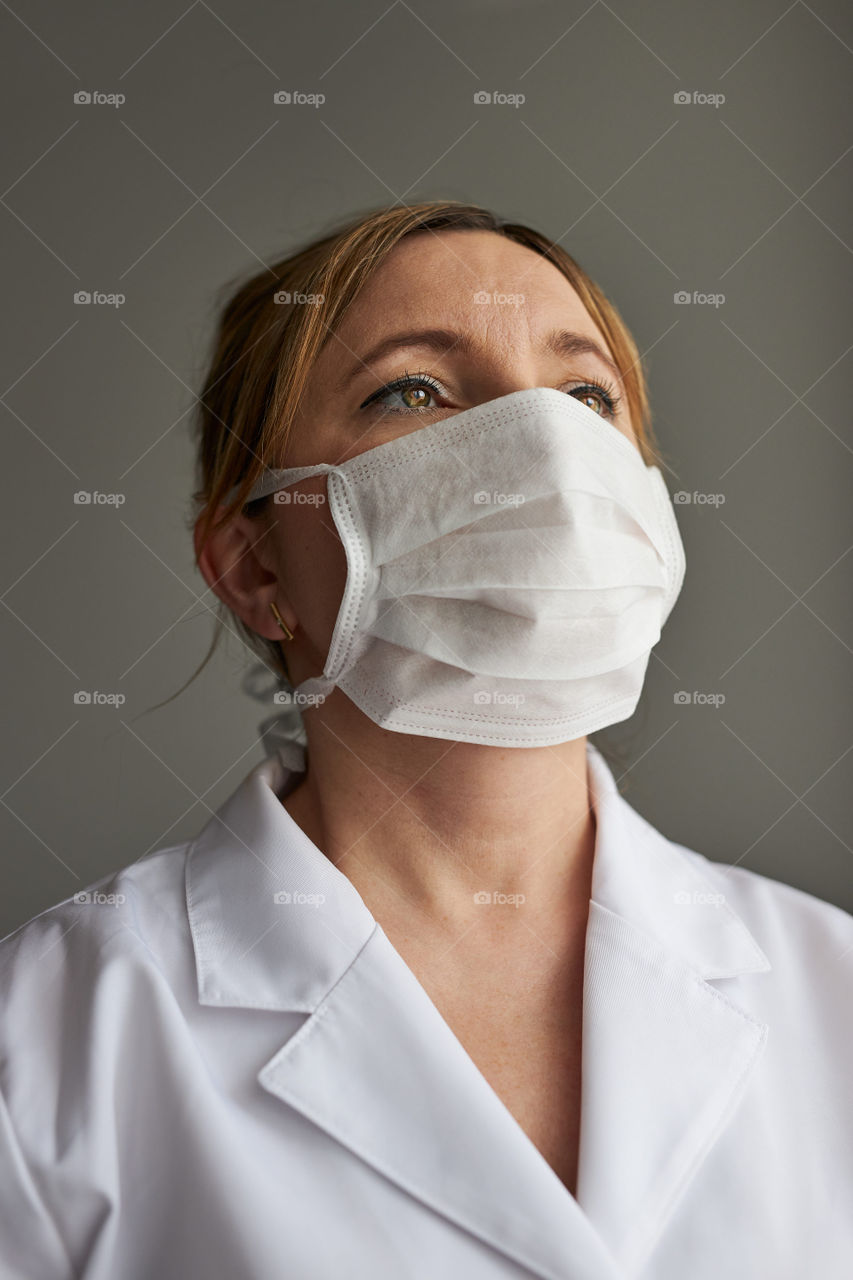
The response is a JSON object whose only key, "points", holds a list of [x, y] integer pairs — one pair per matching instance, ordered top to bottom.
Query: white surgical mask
{"points": [[509, 570]]}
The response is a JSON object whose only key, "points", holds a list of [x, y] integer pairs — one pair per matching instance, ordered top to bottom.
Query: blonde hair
{"points": [[265, 349]]}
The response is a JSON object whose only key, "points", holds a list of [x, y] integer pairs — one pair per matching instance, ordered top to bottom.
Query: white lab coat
{"points": [[200, 1081]]}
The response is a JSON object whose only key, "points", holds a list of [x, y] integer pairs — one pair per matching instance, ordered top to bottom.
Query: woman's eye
{"points": [[416, 393], [405, 396], [417, 397], [601, 400]]}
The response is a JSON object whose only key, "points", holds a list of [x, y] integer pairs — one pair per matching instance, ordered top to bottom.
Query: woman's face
{"points": [[465, 316], [450, 320]]}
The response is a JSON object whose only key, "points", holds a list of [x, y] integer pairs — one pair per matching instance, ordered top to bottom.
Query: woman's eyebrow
{"points": [[440, 340], [560, 342], [563, 342]]}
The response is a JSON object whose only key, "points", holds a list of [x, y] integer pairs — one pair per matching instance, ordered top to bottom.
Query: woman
{"points": [[426, 996]]}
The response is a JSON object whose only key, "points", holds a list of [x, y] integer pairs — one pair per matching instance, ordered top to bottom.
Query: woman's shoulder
{"points": [[770, 904], [133, 917], [793, 927], [808, 942], [95, 992]]}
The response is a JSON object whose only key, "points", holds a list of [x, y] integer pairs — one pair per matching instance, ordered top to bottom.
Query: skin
{"points": [[419, 825]]}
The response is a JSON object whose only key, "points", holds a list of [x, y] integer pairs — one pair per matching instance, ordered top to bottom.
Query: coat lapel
{"points": [[276, 926], [666, 1055], [375, 1066], [379, 1069]]}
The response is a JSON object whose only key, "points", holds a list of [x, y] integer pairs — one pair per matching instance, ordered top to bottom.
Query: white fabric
{"points": [[509, 570], [200, 1082]]}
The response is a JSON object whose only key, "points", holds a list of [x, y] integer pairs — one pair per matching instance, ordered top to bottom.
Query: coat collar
{"points": [[656, 886], [274, 923], [256, 949], [666, 1056]]}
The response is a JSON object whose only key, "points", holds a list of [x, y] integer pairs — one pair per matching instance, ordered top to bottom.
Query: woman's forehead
{"points": [[458, 262], [477, 281]]}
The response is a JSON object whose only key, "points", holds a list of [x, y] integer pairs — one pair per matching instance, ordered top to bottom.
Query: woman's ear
{"points": [[237, 563]]}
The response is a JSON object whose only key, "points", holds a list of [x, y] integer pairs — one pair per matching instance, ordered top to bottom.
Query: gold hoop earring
{"points": [[280, 620]]}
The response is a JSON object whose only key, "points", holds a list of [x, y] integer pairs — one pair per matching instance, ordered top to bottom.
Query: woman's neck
{"points": [[426, 827]]}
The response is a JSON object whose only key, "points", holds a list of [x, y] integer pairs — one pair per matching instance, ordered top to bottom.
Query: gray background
{"points": [[199, 177]]}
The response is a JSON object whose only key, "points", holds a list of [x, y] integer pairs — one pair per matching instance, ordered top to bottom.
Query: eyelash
{"points": [[605, 390]]}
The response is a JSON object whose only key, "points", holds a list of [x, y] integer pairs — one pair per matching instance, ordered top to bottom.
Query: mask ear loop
{"points": [[272, 479], [345, 637], [284, 734]]}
